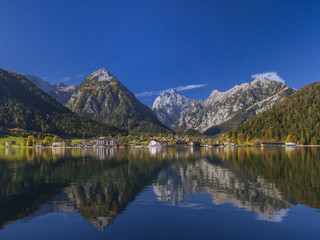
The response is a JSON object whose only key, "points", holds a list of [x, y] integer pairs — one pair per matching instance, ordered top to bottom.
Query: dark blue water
{"points": [[244, 193]]}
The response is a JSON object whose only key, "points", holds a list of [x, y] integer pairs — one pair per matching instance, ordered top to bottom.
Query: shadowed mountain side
{"points": [[59, 92], [230, 124]]}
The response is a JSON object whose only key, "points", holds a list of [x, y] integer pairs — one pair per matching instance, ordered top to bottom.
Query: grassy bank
{"points": [[4, 138]]}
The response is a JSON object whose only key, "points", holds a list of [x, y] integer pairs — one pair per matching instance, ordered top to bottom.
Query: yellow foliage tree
{"points": [[289, 138], [30, 141]]}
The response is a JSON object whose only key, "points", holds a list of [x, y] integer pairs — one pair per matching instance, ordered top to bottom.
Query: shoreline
{"points": [[163, 147]]}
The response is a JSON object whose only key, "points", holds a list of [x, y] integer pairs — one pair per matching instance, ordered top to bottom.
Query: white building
{"points": [[105, 142]]}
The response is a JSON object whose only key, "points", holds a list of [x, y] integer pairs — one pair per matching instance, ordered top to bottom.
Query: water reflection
{"points": [[154, 151], [296, 173], [99, 183], [225, 184]]}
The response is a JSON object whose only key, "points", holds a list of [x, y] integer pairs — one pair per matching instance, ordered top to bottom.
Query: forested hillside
{"points": [[296, 119]]}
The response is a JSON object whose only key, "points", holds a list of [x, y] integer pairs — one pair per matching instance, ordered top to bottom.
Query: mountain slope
{"points": [[60, 92], [102, 97], [23, 105], [170, 105], [225, 108], [297, 118]]}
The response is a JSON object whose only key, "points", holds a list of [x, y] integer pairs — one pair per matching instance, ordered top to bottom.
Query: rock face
{"points": [[59, 92], [102, 97], [171, 105], [225, 110]]}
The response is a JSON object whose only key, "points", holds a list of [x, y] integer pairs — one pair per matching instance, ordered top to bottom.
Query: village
{"points": [[117, 142], [135, 142]]}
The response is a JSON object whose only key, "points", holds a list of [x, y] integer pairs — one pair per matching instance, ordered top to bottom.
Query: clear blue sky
{"points": [[153, 45]]}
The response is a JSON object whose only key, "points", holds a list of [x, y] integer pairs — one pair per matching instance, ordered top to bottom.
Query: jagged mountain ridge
{"points": [[59, 92], [102, 97], [245, 101], [170, 105], [222, 111]]}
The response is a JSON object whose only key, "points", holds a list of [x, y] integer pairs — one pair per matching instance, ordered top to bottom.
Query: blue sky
{"points": [[155, 45]]}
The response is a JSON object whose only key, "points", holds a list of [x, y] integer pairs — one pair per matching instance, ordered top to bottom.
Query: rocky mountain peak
{"points": [[100, 75], [262, 79], [260, 82], [171, 91], [167, 97], [103, 98], [170, 105]]}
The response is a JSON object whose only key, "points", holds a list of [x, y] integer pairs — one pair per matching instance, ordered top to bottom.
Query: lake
{"points": [[170, 193]]}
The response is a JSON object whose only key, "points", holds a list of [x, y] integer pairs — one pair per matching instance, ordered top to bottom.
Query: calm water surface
{"points": [[215, 193]]}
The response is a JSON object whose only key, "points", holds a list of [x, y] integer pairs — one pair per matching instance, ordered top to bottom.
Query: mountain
{"points": [[60, 92], [102, 97], [23, 105], [170, 105], [224, 110], [296, 119]]}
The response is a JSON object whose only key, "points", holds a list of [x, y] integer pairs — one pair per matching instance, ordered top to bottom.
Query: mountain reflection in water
{"points": [[99, 183], [225, 184]]}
